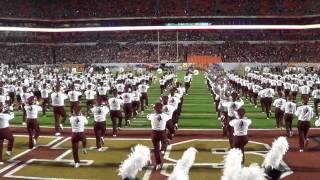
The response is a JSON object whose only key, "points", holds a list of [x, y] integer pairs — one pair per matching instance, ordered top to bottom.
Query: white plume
{"points": [[279, 148], [137, 159], [184, 164], [232, 165], [234, 171], [253, 172]]}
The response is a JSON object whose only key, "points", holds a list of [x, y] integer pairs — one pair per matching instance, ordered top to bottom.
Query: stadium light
{"points": [[146, 28]]}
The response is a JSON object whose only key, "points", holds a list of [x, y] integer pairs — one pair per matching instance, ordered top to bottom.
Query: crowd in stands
{"points": [[49, 9], [152, 36], [148, 53]]}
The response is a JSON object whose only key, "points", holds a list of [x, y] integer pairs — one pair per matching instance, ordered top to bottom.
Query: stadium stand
{"points": [[48, 9]]}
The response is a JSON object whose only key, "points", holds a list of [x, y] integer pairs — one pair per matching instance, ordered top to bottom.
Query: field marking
{"points": [[13, 162], [221, 164], [9, 166], [10, 174], [146, 175]]}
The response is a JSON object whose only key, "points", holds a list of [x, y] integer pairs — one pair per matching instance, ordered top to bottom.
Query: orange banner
{"points": [[203, 61]]}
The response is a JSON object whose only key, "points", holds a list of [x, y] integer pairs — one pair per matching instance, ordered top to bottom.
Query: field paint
{"points": [[60, 143], [63, 154], [19, 155], [13, 162], [218, 165], [9, 166], [147, 173], [10, 174]]}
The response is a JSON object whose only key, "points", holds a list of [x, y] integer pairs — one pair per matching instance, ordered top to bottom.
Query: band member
{"points": [[187, 82], [162, 83], [279, 84], [120, 87], [287, 88], [36, 89], [143, 89], [256, 89], [11, 90], [294, 90], [304, 90], [45, 91], [18, 92], [103, 92], [89, 93], [268, 94], [136, 95], [316, 98], [24, 99], [74, 99], [174, 101], [115, 104], [127, 106], [233, 107], [223, 108], [168, 109], [289, 109], [278, 112], [59, 113], [99, 113], [304, 114], [32, 122], [78, 122], [158, 125], [240, 126], [5, 132]]}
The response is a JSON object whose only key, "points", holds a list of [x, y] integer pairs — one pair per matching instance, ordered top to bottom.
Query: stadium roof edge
{"points": [[161, 17], [146, 28]]}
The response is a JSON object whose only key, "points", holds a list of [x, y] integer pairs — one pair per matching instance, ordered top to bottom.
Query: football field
{"points": [[198, 110], [199, 127]]}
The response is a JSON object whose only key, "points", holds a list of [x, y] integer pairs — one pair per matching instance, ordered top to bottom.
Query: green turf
{"points": [[198, 110], [20, 145], [205, 154], [105, 165]]}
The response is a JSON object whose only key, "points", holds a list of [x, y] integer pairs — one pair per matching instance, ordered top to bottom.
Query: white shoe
{"points": [[24, 123], [61, 126], [57, 134], [114, 135], [34, 141], [102, 141], [100, 149], [84, 150], [301, 150], [9, 153], [1, 163], [76, 165], [158, 167]]}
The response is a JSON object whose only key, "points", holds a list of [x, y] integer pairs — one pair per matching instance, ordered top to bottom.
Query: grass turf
{"points": [[198, 110], [20, 145], [106, 163], [105, 166]]}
